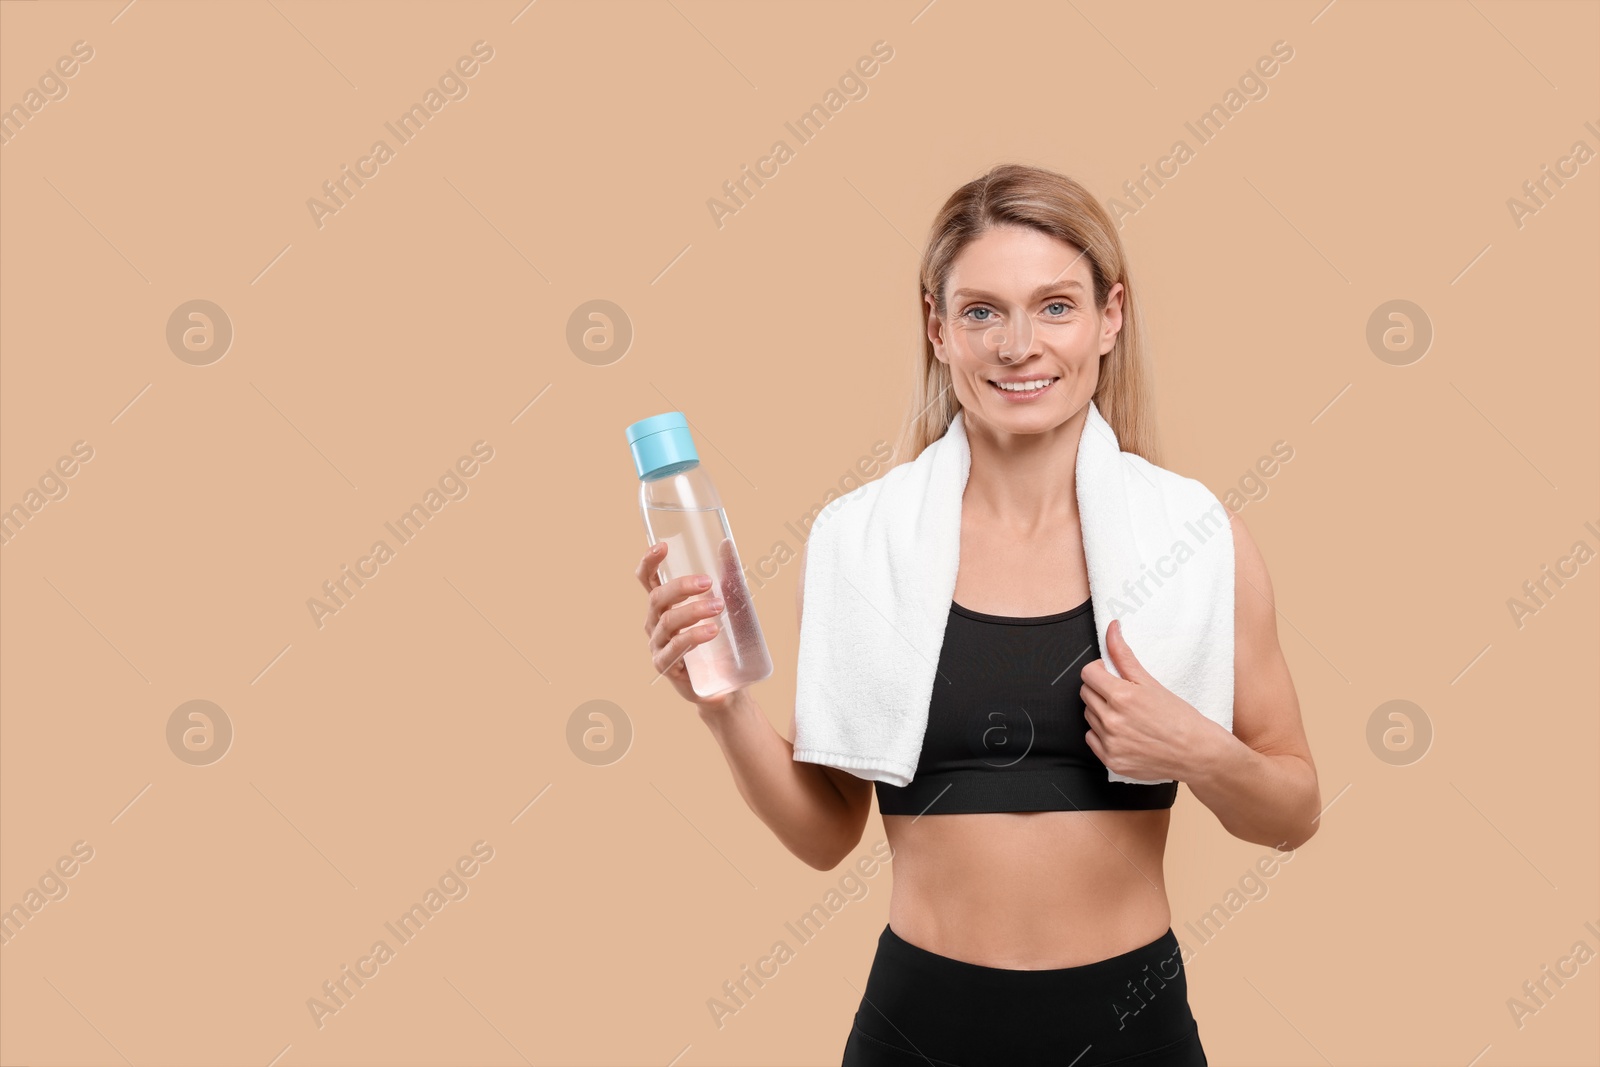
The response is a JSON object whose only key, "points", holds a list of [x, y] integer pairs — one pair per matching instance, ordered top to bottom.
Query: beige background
{"points": [[433, 308]]}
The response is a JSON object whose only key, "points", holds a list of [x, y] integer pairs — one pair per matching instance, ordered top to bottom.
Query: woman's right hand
{"points": [[674, 624]]}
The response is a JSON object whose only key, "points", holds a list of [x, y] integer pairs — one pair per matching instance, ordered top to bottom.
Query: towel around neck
{"points": [[881, 566]]}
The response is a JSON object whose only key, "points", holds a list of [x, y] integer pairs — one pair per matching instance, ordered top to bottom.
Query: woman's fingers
{"points": [[646, 571], [667, 594], [683, 615], [669, 621], [674, 650], [1094, 707]]}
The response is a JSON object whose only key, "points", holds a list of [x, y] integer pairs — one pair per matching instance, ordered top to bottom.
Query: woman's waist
{"points": [[1030, 891], [1016, 932]]}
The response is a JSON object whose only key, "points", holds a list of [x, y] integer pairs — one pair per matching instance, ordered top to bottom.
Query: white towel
{"points": [[881, 572]]}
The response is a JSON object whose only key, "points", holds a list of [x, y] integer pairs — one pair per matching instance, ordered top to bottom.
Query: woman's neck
{"points": [[1024, 481]]}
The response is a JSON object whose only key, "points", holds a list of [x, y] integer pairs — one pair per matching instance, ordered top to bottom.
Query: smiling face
{"points": [[1020, 332]]}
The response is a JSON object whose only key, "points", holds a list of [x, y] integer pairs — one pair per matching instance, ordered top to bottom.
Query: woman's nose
{"points": [[1014, 340]]}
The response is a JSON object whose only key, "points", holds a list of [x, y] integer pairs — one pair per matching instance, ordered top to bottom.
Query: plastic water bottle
{"points": [[681, 506]]}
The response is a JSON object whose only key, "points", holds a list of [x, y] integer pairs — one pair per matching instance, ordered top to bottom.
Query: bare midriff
{"points": [[1029, 890]]}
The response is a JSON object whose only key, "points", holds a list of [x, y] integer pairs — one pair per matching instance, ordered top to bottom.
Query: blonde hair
{"points": [[1013, 194]]}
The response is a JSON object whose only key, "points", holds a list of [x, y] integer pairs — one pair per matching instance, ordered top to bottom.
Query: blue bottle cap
{"points": [[662, 445]]}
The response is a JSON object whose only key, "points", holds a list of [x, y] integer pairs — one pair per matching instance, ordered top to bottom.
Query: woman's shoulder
{"points": [[1171, 484]]}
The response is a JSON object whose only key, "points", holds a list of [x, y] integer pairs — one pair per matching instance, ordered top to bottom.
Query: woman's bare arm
{"points": [[1260, 780], [819, 813]]}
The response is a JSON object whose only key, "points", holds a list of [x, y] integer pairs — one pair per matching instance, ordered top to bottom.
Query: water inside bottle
{"points": [[701, 542]]}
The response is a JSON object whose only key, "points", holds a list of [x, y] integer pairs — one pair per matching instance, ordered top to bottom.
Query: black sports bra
{"points": [[1006, 725]]}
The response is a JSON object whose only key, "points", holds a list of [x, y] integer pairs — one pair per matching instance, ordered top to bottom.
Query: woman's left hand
{"points": [[1137, 726]]}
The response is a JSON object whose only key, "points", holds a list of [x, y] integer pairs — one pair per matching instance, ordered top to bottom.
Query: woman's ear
{"points": [[1111, 318], [935, 328]]}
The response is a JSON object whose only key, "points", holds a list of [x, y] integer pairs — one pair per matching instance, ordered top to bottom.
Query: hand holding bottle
{"points": [[683, 513], [674, 623]]}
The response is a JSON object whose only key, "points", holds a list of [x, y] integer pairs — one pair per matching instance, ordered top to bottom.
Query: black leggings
{"points": [[922, 1008]]}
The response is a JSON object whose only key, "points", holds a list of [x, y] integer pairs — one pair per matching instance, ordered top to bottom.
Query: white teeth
{"points": [[1025, 387]]}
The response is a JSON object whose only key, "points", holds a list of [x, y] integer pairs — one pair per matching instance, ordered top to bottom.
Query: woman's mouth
{"points": [[1023, 390]]}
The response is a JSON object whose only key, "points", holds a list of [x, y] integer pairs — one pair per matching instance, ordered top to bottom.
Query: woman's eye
{"points": [[1062, 304], [973, 312]]}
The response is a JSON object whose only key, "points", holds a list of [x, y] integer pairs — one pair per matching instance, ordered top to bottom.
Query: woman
{"points": [[1029, 920]]}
